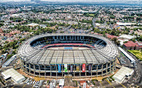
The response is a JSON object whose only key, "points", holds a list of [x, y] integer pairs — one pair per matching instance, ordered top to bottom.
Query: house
{"points": [[125, 24], [33, 25], [1, 32], [15, 32], [138, 32], [111, 36], [127, 37], [139, 44], [131, 45]]}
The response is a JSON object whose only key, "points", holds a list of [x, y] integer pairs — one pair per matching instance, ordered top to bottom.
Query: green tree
{"points": [[104, 34]]}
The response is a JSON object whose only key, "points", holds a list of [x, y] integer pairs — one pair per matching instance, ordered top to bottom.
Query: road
{"points": [[137, 77]]}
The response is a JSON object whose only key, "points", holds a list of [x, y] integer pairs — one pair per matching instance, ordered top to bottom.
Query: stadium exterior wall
{"points": [[104, 67], [96, 70]]}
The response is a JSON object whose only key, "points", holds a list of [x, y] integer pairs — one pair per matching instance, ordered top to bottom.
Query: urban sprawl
{"points": [[70, 30]]}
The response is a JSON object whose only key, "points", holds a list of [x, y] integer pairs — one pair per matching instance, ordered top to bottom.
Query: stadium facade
{"points": [[57, 55]]}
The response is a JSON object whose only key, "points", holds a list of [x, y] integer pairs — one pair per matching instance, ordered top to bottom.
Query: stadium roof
{"points": [[72, 56]]}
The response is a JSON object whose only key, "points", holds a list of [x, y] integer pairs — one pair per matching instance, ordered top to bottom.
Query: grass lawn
{"points": [[91, 15], [137, 53]]}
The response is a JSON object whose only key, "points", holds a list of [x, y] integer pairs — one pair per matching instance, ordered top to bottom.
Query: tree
{"points": [[112, 16], [1, 24], [56, 27], [113, 32], [104, 34], [140, 38], [114, 39], [133, 40], [125, 41], [118, 42], [0, 47], [130, 48], [135, 48], [141, 50], [3, 51], [14, 52], [9, 56]]}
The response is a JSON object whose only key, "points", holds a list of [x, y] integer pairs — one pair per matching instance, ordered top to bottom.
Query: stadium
{"points": [[78, 55]]}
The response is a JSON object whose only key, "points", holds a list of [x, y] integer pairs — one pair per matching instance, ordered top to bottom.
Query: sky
{"points": [[70, 0]]}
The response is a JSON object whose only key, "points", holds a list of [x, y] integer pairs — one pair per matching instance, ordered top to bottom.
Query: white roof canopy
{"points": [[120, 75], [15, 76]]}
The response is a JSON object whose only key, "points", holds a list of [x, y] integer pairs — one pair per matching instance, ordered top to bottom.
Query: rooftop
{"points": [[33, 24], [1, 30], [126, 36], [131, 44], [120, 75], [15, 76]]}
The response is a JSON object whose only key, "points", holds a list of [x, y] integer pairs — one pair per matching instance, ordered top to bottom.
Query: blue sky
{"points": [[73, 0]]}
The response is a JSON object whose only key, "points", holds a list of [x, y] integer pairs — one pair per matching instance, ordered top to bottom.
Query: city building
{"points": [[1, 32], [111, 36], [131, 45], [122, 74], [14, 75]]}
